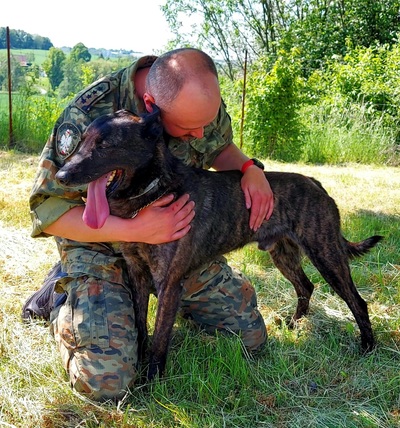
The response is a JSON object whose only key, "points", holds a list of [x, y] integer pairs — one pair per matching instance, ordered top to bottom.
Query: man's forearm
{"points": [[230, 158], [163, 221], [71, 226]]}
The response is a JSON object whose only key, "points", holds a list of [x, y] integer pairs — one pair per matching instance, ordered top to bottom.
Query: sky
{"points": [[136, 25]]}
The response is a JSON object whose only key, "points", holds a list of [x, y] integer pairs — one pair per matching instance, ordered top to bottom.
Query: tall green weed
{"points": [[32, 119], [340, 133]]}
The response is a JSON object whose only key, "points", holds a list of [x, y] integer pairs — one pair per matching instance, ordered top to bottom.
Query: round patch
{"points": [[68, 138]]}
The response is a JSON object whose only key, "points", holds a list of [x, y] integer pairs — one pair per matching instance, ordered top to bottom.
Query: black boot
{"points": [[42, 302]]}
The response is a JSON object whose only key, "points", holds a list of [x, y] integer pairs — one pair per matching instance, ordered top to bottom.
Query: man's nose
{"points": [[198, 133]]}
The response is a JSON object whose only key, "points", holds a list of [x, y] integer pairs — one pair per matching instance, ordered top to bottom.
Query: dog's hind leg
{"points": [[286, 256], [334, 267]]}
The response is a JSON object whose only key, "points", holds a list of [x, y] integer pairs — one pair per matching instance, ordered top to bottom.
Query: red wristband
{"points": [[248, 163]]}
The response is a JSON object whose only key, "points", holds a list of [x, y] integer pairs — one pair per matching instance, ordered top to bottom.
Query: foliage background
{"points": [[321, 78]]}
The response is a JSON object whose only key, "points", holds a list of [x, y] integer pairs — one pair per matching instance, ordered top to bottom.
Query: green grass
{"points": [[37, 56], [33, 117], [334, 136], [312, 376]]}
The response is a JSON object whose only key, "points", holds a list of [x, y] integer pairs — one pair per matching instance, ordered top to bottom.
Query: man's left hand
{"points": [[258, 196]]}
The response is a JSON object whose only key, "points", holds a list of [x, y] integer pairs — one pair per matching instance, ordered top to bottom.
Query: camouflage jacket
{"points": [[49, 200]]}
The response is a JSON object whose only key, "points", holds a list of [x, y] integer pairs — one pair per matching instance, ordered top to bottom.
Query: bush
{"points": [[273, 128]]}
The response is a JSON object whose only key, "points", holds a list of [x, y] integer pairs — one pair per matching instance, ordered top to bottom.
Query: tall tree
{"points": [[227, 28], [321, 29], [324, 29], [19, 39], [80, 52], [54, 67], [73, 78]]}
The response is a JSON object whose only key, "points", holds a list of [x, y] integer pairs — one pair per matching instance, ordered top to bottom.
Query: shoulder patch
{"points": [[92, 95], [67, 140]]}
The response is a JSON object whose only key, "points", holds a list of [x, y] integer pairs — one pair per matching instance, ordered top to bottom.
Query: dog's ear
{"points": [[124, 113], [153, 123]]}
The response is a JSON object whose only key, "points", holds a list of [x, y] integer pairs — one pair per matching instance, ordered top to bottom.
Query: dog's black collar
{"points": [[153, 185], [150, 187]]}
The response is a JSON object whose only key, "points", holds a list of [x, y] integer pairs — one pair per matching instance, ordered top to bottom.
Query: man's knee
{"points": [[218, 298], [97, 337], [101, 374]]}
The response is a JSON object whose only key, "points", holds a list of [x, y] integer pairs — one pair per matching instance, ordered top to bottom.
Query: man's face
{"points": [[191, 111], [187, 127]]}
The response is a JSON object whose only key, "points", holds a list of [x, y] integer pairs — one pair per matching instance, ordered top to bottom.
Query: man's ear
{"points": [[148, 102]]}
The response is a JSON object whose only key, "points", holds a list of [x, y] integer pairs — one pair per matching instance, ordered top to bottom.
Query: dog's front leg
{"points": [[140, 282], [169, 296]]}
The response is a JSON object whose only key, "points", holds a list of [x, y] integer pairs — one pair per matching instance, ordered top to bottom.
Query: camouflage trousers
{"points": [[95, 327]]}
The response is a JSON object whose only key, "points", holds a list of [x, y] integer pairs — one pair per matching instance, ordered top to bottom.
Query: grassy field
{"points": [[37, 56], [312, 376]]}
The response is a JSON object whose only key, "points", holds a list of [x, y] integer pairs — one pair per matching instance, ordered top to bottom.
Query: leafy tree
{"points": [[373, 22], [227, 28], [320, 29], [325, 29], [3, 38], [19, 39], [43, 43], [80, 52], [53, 66], [101, 67], [77, 71], [17, 75], [73, 78], [273, 126]]}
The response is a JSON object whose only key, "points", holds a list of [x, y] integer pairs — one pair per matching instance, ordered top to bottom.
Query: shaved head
{"points": [[177, 68]]}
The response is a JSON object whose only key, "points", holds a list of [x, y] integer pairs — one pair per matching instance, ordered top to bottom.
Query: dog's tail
{"points": [[356, 249]]}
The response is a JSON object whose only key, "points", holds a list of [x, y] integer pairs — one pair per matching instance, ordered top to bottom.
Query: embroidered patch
{"points": [[92, 95], [68, 137]]}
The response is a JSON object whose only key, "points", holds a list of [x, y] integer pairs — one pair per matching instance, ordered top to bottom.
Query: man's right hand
{"points": [[164, 221]]}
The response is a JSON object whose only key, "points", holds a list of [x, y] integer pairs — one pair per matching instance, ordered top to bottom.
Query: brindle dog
{"points": [[305, 220]]}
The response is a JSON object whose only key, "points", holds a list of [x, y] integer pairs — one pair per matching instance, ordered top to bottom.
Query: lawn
{"points": [[37, 56], [311, 376]]}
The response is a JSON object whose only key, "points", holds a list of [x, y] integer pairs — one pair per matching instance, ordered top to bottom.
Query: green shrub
{"points": [[369, 77], [272, 124]]}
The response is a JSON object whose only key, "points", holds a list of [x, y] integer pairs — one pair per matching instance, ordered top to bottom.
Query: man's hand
{"points": [[257, 191], [258, 196], [164, 221]]}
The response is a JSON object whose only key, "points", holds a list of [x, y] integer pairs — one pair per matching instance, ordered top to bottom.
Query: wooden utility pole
{"points": [[243, 99], [10, 126]]}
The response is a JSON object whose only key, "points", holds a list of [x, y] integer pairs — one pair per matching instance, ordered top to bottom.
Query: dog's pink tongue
{"points": [[97, 209]]}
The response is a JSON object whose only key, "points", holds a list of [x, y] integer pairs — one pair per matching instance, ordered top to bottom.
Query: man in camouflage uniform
{"points": [[95, 327]]}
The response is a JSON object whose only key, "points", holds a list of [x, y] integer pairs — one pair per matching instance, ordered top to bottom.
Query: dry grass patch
{"points": [[312, 376]]}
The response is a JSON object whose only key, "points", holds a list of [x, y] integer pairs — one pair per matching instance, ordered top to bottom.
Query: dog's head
{"points": [[121, 140], [112, 145]]}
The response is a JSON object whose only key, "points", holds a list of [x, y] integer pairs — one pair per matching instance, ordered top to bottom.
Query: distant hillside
{"points": [[20, 39], [23, 43], [106, 53], [34, 56], [37, 56]]}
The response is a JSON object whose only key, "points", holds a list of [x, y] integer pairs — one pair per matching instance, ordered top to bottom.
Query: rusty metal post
{"points": [[243, 99], [10, 125]]}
